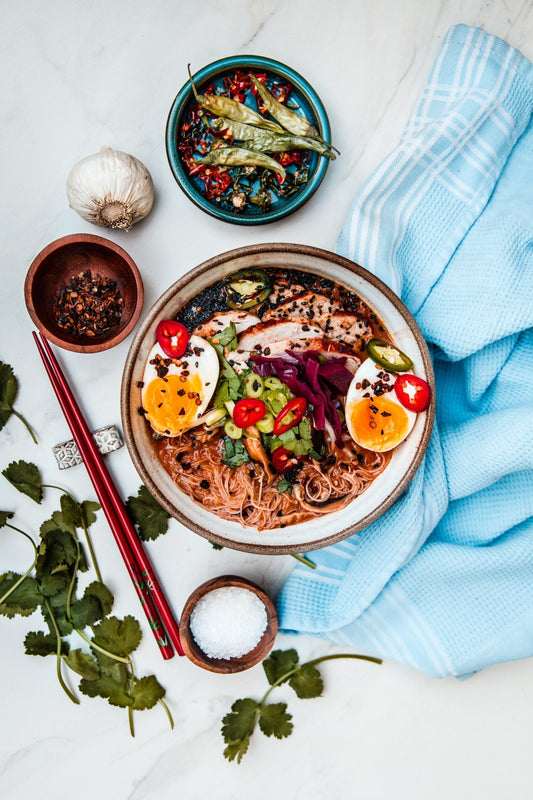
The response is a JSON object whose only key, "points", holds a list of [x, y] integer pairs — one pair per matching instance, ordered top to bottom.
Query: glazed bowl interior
{"points": [[64, 258], [320, 531]]}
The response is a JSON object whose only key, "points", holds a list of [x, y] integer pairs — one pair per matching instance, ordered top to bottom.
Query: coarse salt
{"points": [[228, 622]]}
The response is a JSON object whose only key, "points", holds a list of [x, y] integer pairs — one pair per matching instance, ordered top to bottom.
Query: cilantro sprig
{"points": [[8, 393], [50, 584], [273, 719]]}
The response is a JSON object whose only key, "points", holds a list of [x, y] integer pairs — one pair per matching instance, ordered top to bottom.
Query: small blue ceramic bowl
{"points": [[239, 202]]}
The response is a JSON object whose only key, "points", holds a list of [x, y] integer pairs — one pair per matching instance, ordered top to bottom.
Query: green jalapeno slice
{"points": [[248, 288], [388, 356]]}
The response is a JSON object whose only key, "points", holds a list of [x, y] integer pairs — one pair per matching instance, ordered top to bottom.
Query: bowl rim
{"points": [[181, 100], [84, 238], [172, 291]]}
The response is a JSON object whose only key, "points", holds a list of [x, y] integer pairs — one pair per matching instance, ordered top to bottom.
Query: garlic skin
{"points": [[110, 188]]}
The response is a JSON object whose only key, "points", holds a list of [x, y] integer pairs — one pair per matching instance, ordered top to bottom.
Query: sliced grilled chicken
{"points": [[305, 304], [318, 309], [222, 319], [263, 334]]}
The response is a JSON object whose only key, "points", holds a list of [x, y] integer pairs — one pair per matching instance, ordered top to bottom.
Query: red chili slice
{"points": [[172, 337], [413, 392], [248, 411], [290, 415], [283, 460]]}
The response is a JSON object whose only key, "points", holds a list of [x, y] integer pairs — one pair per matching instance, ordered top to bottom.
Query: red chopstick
{"points": [[141, 572]]}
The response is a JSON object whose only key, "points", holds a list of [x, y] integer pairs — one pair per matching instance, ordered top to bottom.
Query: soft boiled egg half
{"points": [[176, 392], [375, 418]]}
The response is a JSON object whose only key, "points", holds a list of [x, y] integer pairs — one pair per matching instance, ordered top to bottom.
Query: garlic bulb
{"points": [[110, 188]]}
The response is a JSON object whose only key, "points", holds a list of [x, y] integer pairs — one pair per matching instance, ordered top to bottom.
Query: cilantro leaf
{"points": [[227, 337], [229, 385], [8, 393], [221, 395], [234, 452], [26, 478], [284, 486], [88, 509], [147, 515], [4, 516], [69, 518], [58, 546], [56, 557], [24, 600], [96, 603], [58, 606], [120, 637], [38, 643], [83, 663], [279, 663], [112, 668], [307, 681], [108, 688], [147, 692], [275, 721], [240, 723], [237, 749]]}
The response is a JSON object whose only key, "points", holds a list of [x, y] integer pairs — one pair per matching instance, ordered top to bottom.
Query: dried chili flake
{"points": [[88, 305]]}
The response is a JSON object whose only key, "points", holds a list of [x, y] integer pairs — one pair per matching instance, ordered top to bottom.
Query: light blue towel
{"points": [[443, 581]]}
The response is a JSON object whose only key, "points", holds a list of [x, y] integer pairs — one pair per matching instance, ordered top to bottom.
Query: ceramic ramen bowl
{"points": [[328, 528]]}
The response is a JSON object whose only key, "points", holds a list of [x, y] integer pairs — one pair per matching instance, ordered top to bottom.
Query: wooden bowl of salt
{"points": [[228, 624]]}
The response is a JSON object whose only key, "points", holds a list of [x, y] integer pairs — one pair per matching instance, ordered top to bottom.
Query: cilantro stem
{"points": [[25, 423], [83, 525], [91, 551], [304, 560], [22, 577], [73, 579], [91, 643], [59, 655], [373, 659], [314, 661], [130, 710], [167, 712]]}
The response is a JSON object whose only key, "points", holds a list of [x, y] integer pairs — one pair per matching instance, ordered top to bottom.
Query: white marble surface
{"points": [[80, 75]]}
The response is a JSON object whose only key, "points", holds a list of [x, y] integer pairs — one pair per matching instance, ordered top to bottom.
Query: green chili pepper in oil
{"points": [[226, 107], [291, 121], [269, 142], [239, 157]]}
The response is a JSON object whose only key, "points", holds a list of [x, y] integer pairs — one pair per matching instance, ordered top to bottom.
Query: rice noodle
{"points": [[248, 495]]}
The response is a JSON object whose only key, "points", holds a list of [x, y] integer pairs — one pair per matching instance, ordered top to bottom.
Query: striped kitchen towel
{"points": [[443, 581]]}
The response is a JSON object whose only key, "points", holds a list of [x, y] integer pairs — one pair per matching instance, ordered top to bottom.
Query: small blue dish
{"points": [[242, 206]]}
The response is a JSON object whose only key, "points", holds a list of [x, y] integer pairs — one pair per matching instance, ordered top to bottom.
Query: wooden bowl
{"points": [[66, 257], [227, 665]]}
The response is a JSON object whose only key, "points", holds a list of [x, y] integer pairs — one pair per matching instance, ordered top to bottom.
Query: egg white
{"points": [[188, 384], [359, 391]]}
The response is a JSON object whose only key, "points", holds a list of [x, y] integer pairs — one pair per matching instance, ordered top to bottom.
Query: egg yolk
{"points": [[170, 403], [378, 424]]}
